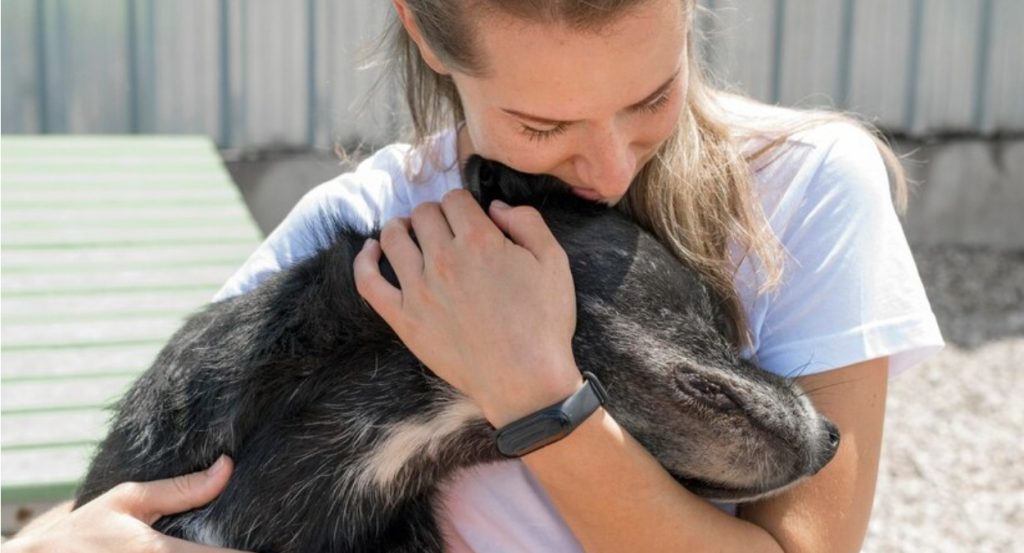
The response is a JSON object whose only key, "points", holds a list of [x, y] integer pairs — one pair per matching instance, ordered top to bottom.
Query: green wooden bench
{"points": [[108, 243]]}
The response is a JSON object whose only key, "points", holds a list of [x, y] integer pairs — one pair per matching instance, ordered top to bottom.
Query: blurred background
{"points": [[275, 87]]}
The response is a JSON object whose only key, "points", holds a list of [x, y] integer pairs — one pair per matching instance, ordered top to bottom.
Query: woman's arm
{"points": [[494, 317], [616, 497], [833, 508]]}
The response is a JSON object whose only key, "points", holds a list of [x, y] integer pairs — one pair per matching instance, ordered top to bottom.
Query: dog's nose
{"points": [[833, 436], [831, 440]]}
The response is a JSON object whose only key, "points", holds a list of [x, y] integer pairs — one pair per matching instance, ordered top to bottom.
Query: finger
{"points": [[464, 214], [431, 227], [526, 227], [405, 258], [384, 298], [148, 501]]}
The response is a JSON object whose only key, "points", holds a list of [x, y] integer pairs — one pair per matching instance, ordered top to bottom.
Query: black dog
{"points": [[340, 436]]}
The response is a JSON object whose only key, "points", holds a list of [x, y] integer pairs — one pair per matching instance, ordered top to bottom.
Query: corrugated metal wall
{"points": [[272, 73]]}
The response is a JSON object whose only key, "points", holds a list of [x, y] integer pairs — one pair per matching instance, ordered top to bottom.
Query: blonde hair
{"points": [[696, 195]]}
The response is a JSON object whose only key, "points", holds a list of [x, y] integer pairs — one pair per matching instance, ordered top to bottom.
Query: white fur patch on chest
{"points": [[422, 436], [200, 530]]}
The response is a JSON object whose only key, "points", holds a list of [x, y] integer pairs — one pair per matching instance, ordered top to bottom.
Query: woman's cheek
{"points": [[534, 162]]}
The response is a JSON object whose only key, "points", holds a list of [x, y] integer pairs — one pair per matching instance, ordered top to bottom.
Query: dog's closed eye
{"points": [[706, 392]]}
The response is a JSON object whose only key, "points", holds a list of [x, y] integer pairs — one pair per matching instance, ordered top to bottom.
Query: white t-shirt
{"points": [[851, 293]]}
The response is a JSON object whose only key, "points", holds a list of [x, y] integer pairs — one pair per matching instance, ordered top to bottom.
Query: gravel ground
{"points": [[951, 477]]}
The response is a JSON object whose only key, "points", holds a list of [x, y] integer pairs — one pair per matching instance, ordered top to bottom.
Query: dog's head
{"points": [[654, 333]]}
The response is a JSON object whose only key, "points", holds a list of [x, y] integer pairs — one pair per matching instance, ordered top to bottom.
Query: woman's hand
{"points": [[493, 317], [120, 519]]}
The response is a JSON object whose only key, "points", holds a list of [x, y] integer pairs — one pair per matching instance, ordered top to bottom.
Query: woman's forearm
{"points": [[615, 497]]}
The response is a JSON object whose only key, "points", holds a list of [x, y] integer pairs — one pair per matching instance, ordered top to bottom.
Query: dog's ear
{"points": [[480, 177], [490, 180]]}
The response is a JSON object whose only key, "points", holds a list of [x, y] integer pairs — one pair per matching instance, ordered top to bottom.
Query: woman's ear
{"points": [[409, 22]]}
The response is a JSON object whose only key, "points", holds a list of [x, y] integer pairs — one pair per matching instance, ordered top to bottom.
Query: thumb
{"points": [[148, 501]]}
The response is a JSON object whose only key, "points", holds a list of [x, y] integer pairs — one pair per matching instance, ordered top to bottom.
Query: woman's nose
{"points": [[606, 163]]}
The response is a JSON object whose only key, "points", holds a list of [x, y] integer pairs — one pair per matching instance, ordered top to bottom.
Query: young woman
{"points": [[789, 214]]}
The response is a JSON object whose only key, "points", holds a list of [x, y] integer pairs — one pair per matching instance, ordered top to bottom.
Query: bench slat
{"points": [[140, 192], [102, 216], [109, 243], [136, 256], [116, 281], [128, 304], [58, 334], [70, 362], [63, 394], [21, 430], [44, 474]]}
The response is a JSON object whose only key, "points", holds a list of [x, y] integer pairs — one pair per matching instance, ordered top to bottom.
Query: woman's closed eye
{"points": [[658, 103], [539, 134], [543, 134]]}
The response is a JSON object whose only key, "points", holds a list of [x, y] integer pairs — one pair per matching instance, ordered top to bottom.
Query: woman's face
{"points": [[589, 108]]}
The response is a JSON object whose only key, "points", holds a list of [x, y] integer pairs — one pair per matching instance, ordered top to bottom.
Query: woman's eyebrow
{"points": [[545, 121]]}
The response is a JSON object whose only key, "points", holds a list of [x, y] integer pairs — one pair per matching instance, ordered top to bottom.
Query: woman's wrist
{"points": [[504, 407], [47, 518], [29, 538]]}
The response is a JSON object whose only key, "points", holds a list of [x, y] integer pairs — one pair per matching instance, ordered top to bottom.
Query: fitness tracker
{"points": [[552, 423]]}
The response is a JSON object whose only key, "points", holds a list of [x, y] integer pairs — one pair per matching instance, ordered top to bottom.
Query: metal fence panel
{"points": [[741, 49], [272, 55], [881, 55], [90, 67], [180, 67], [807, 70], [265, 73], [947, 78], [22, 96], [1001, 105], [346, 111]]}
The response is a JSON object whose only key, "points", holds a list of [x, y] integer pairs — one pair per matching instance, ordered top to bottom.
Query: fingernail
{"points": [[499, 204], [368, 242], [217, 467]]}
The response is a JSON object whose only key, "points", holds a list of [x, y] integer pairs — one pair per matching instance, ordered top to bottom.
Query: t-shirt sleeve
{"points": [[364, 199], [851, 291]]}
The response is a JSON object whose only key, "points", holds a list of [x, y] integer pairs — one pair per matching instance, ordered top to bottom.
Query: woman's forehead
{"points": [[533, 65]]}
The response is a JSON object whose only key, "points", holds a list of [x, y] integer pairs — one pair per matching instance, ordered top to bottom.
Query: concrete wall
{"points": [[970, 192]]}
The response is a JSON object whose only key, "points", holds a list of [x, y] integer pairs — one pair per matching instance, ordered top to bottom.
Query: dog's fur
{"points": [[340, 436]]}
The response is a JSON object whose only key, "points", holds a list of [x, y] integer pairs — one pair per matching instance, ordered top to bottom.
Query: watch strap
{"points": [[586, 400], [553, 422]]}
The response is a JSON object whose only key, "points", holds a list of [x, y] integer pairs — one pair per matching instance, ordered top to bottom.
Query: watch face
{"points": [[526, 435]]}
